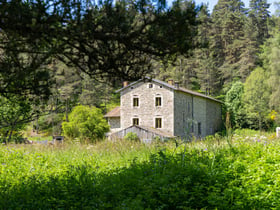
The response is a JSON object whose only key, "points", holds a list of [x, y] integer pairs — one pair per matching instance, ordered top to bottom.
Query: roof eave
{"points": [[171, 87]]}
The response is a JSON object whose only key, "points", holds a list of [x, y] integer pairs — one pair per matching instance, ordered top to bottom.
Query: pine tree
{"points": [[259, 15], [227, 38], [207, 75]]}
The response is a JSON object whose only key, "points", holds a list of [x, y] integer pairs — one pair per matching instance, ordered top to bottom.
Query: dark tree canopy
{"points": [[111, 40]]}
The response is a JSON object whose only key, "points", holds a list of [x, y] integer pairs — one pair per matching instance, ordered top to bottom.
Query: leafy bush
{"points": [[85, 123], [130, 136]]}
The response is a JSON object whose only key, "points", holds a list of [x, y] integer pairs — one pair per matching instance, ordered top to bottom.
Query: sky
{"points": [[212, 3]]}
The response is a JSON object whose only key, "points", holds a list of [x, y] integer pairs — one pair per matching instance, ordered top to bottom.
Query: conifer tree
{"points": [[259, 15], [227, 37], [207, 75]]}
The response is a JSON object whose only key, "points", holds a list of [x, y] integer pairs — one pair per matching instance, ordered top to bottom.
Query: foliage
{"points": [[104, 40], [78, 52], [271, 56], [256, 97], [233, 102], [15, 113], [85, 123], [51, 124], [130, 136], [124, 174]]}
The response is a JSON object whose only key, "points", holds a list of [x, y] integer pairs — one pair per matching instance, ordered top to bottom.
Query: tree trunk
{"points": [[66, 110], [260, 122], [37, 125], [10, 135], [5, 137]]}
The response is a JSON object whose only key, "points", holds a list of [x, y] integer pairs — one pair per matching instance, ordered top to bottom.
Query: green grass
{"points": [[238, 173]]}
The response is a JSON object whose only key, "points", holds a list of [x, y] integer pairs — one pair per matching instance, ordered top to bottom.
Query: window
{"points": [[150, 85], [158, 101], [135, 102], [135, 121], [158, 123], [199, 128]]}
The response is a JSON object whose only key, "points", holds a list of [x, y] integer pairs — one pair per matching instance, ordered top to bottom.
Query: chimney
{"points": [[170, 82], [125, 83], [176, 84]]}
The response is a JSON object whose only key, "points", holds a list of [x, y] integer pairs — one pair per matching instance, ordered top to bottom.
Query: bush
{"points": [[85, 123], [130, 136]]}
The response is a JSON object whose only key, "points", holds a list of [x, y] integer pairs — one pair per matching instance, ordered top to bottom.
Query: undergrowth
{"points": [[206, 174]]}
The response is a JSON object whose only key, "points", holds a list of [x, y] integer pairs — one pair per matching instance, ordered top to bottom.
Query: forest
{"points": [[60, 54], [61, 62]]}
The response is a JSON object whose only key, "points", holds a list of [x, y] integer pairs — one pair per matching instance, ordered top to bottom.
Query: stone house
{"points": [[152, 108]]}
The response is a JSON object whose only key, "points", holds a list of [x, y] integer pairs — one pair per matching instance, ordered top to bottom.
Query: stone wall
{"points": [[147, 111], [192, 112], [183, 114], [199, 115], [214, 117]]}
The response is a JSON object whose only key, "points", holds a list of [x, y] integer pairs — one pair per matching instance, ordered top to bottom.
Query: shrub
{"points": [[86, 123], [130, 136]]}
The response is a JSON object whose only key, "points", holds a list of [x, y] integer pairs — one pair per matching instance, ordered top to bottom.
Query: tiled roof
{"points": [[171, 87], [114, 112]]}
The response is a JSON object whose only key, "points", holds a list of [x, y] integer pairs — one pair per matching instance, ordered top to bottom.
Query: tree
{"points": [[259, 15], [104, 40], [25, 48], [270, 57], [208, 77], [256, 98], [233, 102], [15, 113], [86, 123]]}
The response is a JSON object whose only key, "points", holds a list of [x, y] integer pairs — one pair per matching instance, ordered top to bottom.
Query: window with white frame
{"points": [[158, 101], [135, 102], [135, 121], [158, 122]]}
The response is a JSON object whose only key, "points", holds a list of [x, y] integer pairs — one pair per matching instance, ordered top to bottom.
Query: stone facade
{"points": [[171, 109], [147, 111], [195, 115], [183, 117]]}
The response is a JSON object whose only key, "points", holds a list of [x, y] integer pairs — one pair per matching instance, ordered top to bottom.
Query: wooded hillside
{"points": [[58, 54]]}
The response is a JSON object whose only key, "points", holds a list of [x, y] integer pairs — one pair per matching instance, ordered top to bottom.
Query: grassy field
{"points": [[242, 172]]}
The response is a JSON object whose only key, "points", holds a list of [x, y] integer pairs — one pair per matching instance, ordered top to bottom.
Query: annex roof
{"points": [[147, 79], [114, 112], [156, 132]]}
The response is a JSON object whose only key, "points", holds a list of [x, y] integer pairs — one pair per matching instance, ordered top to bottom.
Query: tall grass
{"points": [[129, 175]]}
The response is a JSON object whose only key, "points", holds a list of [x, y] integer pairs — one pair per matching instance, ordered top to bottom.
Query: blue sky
{"points": [[212, 3]]}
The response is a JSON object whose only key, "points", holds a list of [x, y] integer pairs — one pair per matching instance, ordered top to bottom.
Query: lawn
{"points": [[242, 172]]}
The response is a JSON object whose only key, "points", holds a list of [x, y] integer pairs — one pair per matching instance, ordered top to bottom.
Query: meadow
{"points": [[240, 172]]}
